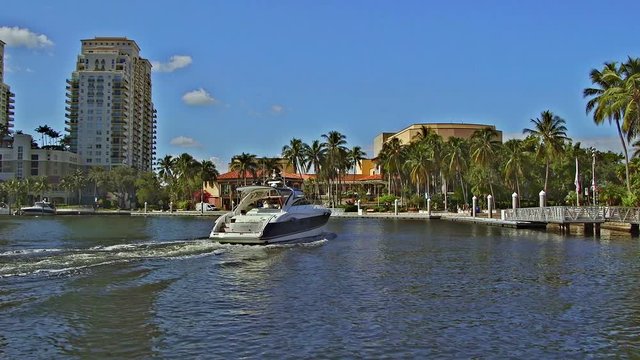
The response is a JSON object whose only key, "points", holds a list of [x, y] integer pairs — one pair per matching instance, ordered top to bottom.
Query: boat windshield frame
{"points": [[254, 194]]}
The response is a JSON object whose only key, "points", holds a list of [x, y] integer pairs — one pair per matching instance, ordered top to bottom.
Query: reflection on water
{"points": [[120, 287]]}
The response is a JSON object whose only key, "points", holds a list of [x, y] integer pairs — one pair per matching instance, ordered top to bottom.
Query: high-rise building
{"points": [[6, 96], [110, 116]]}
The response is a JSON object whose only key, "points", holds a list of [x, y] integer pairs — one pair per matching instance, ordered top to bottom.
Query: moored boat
{"points": [[38, 208], [267, 215]]}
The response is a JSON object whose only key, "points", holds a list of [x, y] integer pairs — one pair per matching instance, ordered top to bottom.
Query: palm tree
{"points": [[602, 107], [43, 130], [550, 133], [335, 145], [484, 145], [294, 154], [315, 155], [354, 158], [390, 158], [455, 159], [244, 163], [418, 163], [514, 163], [166, 166], [268, 166], [185, 169], [208, 173], [98, 176], [76, 181], [40, 186]]}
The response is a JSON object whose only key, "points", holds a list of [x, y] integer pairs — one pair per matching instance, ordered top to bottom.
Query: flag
{"points": [[577, 181]]}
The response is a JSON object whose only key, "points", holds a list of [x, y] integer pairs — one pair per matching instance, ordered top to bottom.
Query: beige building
{"points": [[6, 96], [110, 116], [446, 130], [21, 161]]}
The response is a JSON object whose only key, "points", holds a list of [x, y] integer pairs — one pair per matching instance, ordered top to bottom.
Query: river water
{"points": [[135, 287]]}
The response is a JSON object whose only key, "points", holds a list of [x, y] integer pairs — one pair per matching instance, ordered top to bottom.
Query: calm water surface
{"points": [[121, 287]]}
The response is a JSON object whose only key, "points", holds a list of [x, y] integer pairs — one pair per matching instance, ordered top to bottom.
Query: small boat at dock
{"points": [[38, 208]]}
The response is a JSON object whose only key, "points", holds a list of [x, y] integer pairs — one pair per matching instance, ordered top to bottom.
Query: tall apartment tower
{"points": [[6, 96], [110, 116]]}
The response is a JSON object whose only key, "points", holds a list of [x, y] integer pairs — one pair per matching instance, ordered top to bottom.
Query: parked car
{"points": [[207, 207]]}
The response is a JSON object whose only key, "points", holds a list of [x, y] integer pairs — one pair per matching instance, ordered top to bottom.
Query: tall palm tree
{"points": [[602, 106], [550, 134], [335, 145], [484, 146], [515, 153], [294, 154], [315, 155], [355, 157], [390, 158], [455, 160], [244, 163], [418, 163], [166, 167], [208, 173], [98, 176], [76, 181], [40, 186]]}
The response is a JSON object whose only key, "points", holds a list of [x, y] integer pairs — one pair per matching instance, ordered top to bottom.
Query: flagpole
{"points": [[577, 183]]}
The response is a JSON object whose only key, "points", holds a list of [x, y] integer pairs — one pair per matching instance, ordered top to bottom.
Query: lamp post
{"points": [[593, 176]]}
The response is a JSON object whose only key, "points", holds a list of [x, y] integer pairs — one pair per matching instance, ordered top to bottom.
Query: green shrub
{"points": [[350, 208]]}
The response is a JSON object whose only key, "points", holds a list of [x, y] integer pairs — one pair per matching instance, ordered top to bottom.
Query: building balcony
{"points": [[11, 101], [71, 102], [11, 107], [10, 113]]}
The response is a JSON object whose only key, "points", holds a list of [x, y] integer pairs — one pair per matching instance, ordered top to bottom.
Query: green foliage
{"points": [[148, 190], [611, 194], [630, 200], [415, 201], [183, 205], [350, 208]]}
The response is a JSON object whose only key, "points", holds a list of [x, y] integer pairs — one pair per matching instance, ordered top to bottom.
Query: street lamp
{"points": [[593, 175]]}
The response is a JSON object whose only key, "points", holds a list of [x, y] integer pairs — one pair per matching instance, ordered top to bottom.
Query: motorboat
{"points": [[38, 208], [4, 209], [269, 214]]}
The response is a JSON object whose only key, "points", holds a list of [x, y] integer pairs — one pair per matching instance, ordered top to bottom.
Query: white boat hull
{"points": [[274, 232], [257, 239]]}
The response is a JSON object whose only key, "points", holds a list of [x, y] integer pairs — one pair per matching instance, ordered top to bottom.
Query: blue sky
{"points": [[248, 76]]}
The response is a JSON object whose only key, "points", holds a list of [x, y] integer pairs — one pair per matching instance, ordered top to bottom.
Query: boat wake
{"points": [[55, 261]]}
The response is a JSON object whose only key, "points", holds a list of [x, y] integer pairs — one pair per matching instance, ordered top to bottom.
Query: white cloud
{"points": [[15, 36], [175, 62], [198, 97], [277, 109], [184, 141], [602, 143], [221, 165]]}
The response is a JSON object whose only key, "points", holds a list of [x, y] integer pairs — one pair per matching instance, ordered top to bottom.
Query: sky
{"points": [[248, 76]]}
